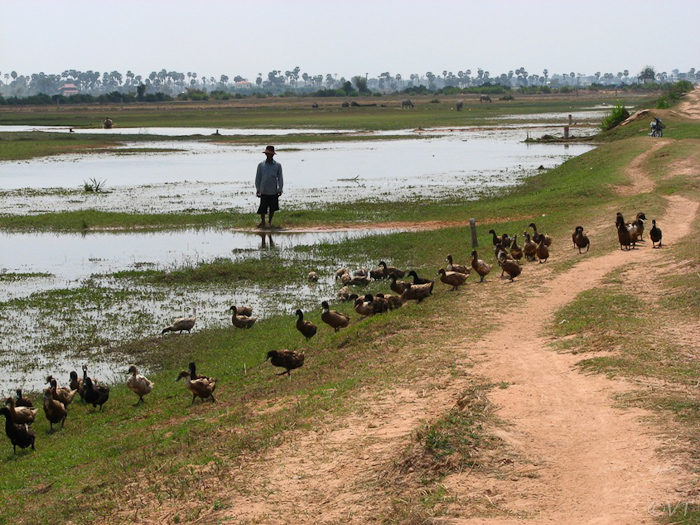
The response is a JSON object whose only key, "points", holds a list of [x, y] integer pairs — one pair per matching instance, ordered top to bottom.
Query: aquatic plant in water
{"points": [[94, 186]]}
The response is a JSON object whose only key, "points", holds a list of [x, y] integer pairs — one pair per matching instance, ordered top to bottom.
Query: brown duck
{"points": [[623, 233], [655, 234], [538, 236], [580, 239], [529, 248], [542, 250], [516, 252], [480, 266], [509, 266], [452, 267], [388, 271], [453, 279], [397, 286], [417, 292], [394, 301], [363, 307], [333, 318], [240, 320], [182, 323], [307, 328], [287, 359], [203, 387], [63, 394], [22, 401], [54, 410], [21, 415], [20, 435]]}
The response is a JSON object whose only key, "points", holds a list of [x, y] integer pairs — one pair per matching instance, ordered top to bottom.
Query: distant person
{"points": [[107, 124], [268, 186]]}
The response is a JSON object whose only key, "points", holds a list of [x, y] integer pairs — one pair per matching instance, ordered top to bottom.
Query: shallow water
{"points": [[172, 132], [206, 176], [73, 257], [71, 305]]}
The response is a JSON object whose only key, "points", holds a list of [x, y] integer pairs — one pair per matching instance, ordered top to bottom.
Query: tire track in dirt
{"points": [[641, 182]]}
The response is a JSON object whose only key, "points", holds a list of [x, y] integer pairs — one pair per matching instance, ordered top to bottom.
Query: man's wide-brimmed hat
{"points": [[270, 149]]}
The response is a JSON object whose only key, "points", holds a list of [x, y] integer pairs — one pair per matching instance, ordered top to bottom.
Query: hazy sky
{"points": [[347, 38]]}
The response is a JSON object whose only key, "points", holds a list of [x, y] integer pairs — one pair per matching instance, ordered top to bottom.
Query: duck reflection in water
{"points": [[266, 241]]}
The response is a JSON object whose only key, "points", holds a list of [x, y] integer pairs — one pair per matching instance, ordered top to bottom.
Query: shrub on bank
{"points": [[618, 114]]}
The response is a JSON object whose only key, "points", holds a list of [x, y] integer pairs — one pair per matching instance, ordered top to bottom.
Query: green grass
{"points": [[298, 113], [167, 444]]}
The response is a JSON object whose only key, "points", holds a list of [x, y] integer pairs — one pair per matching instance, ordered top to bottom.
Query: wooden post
{"points": [[570, 121], [472, 225]]}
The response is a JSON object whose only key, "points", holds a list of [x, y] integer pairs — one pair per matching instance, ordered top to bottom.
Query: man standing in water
{"points": [[268, 186]]}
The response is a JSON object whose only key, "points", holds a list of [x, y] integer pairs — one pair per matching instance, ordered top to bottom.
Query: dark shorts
{"points": [[268, 204]]}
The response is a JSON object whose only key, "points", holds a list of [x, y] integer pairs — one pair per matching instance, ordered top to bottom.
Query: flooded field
{"points": [[209, 176], [61, 304], [66, 309]]}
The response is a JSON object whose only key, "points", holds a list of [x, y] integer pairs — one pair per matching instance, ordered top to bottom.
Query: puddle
{"points": [[593, 114]]}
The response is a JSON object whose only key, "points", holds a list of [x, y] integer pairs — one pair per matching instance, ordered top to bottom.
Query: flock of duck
{"points": [[20, 413]]}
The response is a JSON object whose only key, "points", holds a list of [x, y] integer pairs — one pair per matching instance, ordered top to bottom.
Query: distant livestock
{"points": [[484, 98], [406, 103], [346, 104], [460, 104]]}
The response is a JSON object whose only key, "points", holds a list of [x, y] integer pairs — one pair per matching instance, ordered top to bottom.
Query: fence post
{"points": [[472, 225]]}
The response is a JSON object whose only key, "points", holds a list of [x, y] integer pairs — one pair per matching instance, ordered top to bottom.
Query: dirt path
{"points": [[690, 106], [641, 182], [589, 462], [595, 463]]}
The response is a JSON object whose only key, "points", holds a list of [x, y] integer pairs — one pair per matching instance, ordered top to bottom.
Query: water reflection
{"points": [[174, 132], [266, 241]]}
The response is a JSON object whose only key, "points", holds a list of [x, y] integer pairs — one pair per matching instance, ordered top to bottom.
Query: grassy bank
{"points": [[111, 465]]}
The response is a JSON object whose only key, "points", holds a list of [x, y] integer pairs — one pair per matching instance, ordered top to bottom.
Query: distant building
{"points": [[243, 84], [69, 89]]}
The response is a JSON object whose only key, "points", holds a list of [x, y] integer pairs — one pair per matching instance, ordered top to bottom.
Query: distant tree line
{"points": [[115, 87], [115, 98]]}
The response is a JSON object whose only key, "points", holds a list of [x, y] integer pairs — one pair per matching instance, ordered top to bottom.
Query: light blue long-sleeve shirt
{"points": [[268, 179]]}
